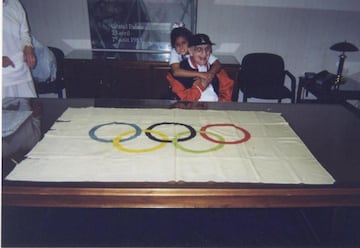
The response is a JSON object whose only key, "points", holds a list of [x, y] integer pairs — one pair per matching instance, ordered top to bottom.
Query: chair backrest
{"points": [[59, 55], [262, 70], [60, 77], [52, 85]]}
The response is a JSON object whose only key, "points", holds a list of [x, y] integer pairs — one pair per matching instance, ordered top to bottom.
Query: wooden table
{"points": [[348, 91], [331, 133]]}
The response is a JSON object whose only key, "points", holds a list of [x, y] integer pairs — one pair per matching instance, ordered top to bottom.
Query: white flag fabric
{"points": [[171, 145]]}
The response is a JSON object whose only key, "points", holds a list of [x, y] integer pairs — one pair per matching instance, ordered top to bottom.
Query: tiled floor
{"points": [[170, 227]]}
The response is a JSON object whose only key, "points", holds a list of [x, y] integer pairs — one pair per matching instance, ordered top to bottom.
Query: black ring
{"points": [[191, 129]]}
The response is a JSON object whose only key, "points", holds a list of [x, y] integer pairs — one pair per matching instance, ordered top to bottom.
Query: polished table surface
{"points": [[349, 90], [331, 132]]}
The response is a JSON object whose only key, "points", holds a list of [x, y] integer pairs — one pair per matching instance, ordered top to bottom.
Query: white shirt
{"points": [[15, 37], [209, 94]]}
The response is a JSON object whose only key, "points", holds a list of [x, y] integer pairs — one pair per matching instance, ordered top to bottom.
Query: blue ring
{"points": [[94, 137]]}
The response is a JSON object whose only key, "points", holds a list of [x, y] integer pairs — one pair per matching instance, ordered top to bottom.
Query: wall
{"points": [[64, 24], [301, 31]]}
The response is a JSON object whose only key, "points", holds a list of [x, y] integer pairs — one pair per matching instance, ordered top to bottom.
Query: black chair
{"points": [[262, 76], [57, 85]]}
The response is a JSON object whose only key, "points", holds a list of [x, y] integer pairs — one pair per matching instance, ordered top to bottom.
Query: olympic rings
{"points": [[94, 129], [192, 132], [246, 134], [117, 139], [163, 139], [215, 148]]}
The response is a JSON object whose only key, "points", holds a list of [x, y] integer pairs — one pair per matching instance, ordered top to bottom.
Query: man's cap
{"points": [[200, 39]]}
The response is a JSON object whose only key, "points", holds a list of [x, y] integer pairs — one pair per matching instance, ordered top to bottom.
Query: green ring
{"points": [[215, 148]]}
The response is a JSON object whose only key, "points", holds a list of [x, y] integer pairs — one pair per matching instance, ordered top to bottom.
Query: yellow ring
{"points": [[116, 142]]}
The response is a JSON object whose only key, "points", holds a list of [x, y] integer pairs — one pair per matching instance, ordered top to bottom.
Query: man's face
{"points": [[200, 54]]}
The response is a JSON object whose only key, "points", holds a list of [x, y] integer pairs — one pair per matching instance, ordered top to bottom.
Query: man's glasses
{"points": [[200, 49]]}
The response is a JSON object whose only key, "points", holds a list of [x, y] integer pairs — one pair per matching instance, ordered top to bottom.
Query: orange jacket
{"points": [[226, 85]]}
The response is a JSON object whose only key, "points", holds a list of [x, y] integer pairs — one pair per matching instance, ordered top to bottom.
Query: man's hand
{"points": [[29, 56], [6, 61]]}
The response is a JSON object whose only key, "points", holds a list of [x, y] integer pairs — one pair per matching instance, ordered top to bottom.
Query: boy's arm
{"points": [[214, 69], [177, 71], [191, 94]]}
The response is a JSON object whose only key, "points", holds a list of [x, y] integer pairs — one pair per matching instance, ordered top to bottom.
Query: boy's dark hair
{"points": [[179, 32]]}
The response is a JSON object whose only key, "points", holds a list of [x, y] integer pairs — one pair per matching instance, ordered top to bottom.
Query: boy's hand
{"points": [[202, 75], [208, 76], [201, 82]]}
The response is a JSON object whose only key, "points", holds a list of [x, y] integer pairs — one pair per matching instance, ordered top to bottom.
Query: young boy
{"points": [[200, 89]]}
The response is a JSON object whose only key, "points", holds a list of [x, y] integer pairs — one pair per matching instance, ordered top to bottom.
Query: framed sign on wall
{"points": [[138, 24]]}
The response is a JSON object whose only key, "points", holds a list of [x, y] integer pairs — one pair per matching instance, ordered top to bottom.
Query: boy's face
{"points": [[182, 45], [200, 54]]}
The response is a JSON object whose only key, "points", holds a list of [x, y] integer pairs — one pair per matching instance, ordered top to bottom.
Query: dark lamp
{"points": [[342, 47]]}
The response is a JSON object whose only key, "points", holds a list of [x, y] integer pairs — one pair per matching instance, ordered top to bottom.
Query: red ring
{"points": [[205, 136]]}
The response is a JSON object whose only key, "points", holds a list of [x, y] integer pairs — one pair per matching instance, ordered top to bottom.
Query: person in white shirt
{"points": [[18, 55]]}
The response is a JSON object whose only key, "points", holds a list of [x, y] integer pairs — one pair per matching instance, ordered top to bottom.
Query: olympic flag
{"points": [[163, 145]]}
